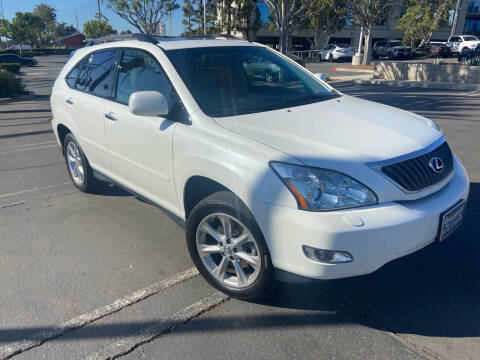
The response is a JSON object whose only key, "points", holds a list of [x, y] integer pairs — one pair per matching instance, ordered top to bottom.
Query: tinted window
{"points": [[470, 38], [139, 71], [95, 73], [72, 76], [237, 80]]}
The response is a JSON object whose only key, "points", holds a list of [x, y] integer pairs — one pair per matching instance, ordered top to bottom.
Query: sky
{"points": [[85, 10]]}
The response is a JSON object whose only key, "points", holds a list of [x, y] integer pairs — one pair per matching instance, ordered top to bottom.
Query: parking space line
{"points": [[21, 147], [30, 148], [33, 190], [38, 338], [127, 345]]}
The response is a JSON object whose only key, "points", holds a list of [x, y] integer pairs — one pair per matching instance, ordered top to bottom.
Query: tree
{"points": [[171, 6], [368, 13], [142, 14], [188, 14], [286, 15], [48, 16], [193, 16], [234, 16], [325, 17], [422, 18], [24, 28], [95, 28], [63, 30], [125, 32]]}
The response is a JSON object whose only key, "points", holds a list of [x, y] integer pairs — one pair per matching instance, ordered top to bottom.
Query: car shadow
{"points": [[433, 292]]}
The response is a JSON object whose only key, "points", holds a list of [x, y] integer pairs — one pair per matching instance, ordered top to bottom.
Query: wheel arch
{"points": [[62, 131], [197, 188]]}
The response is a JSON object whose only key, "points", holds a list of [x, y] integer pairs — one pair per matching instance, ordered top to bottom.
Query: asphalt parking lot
{"points": [[108, 275]]}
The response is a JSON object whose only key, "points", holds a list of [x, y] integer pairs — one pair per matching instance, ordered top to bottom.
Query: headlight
{"points": [[432, 124], [320, 189]]}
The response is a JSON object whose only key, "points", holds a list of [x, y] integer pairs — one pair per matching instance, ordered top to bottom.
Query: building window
{"points": [[474, 6], [264, 12], [472, 26]]}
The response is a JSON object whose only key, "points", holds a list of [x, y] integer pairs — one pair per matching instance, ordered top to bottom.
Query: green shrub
{"points": [[473, 61], [12, 67], [10, 84]]}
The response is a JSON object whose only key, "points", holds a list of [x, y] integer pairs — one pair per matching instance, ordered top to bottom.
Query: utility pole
{"points": [[99, 12], [205, 17], [455, 18], [76, 19]]}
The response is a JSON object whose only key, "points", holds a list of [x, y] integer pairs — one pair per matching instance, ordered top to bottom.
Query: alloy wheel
{"points": [[75, 163], [228, 250]]}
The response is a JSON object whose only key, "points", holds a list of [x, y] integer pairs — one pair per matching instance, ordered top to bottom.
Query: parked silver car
{"points": [[336, 52]]}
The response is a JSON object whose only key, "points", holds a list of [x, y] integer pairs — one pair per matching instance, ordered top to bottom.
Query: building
{"points": [[468, 23], [160, 30], [74, 41]]}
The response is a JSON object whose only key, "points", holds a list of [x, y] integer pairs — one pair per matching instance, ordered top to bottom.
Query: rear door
{"points": [[90, 87], [140, 147]]}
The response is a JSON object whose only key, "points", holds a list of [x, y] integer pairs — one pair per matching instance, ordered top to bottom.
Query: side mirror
{"points": [[321, 76], [148, 103]]}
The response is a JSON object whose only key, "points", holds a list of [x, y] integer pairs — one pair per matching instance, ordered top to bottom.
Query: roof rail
{"points": [[215, 36], [110, 38]]}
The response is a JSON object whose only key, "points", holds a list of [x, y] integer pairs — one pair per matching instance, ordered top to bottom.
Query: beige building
{"points": [[468, 22]]}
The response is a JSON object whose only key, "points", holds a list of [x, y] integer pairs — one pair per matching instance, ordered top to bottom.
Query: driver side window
{"points": [[139, 71]]}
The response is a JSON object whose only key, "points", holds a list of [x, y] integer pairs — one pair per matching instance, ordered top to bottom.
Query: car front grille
{"points": [[417, 173]]}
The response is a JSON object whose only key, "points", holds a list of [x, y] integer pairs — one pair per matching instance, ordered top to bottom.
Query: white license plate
{"points": [[451, 220]]}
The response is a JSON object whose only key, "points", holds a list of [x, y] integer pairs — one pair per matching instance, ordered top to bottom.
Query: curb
{"points": [[420, 84], [30, 96]]}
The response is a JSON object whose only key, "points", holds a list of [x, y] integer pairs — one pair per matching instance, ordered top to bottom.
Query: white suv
{"points": [[459, 42], [273, 176]]}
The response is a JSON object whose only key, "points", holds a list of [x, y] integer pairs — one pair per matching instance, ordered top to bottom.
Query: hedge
{"points": [[39, 52], [12, 67], [10, 84]]}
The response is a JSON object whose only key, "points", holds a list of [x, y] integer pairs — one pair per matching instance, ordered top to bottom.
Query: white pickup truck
{"points": [[459, 42]]}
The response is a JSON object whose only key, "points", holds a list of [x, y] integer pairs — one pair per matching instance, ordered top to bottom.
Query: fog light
{"points": [[326, 256]]}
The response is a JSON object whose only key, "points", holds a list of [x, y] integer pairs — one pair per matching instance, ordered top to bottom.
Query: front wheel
{"points": [[228, 248]]}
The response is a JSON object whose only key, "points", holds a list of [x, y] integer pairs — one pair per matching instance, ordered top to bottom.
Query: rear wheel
{"points": [[78, 167], [228, 248]]}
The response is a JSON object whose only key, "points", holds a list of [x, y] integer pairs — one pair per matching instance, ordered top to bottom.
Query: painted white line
{"points": [[35, 73], [27, 145], [30, 148], [33, 190], [38, 338], [126, 345]]}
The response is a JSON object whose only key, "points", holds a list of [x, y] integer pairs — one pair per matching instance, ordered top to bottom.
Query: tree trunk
{"points": [[455, 18], [283, 40], [368, 46]]}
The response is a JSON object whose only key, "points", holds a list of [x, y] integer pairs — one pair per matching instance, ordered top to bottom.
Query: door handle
{"points": [[69, 101], [111, 116]]}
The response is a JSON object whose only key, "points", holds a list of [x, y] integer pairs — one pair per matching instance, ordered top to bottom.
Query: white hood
{"points": [[337, 132]]}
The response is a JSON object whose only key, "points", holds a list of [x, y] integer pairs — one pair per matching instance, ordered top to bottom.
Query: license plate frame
{"points": [[451, 220]]}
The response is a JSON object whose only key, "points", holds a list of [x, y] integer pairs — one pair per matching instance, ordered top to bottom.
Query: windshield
{"points": [[470, 38], [395, 43], [236, 80]]}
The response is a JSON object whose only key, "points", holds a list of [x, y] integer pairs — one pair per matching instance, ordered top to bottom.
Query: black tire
{"points": [[374, 55], [390, 56], [89, 183], [225, 202]]}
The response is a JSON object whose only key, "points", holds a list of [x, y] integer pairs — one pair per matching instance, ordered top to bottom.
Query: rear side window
{"points": [[139, 71], [95, 74], [72, 76]]}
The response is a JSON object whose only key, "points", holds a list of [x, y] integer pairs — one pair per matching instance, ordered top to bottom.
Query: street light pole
{"points": [[360, 42]]}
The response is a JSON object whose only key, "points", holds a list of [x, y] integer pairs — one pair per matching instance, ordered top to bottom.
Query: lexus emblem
{"points": [[436, 164]]}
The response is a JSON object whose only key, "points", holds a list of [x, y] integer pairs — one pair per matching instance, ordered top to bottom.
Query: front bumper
{"points": [[374, 235]]}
